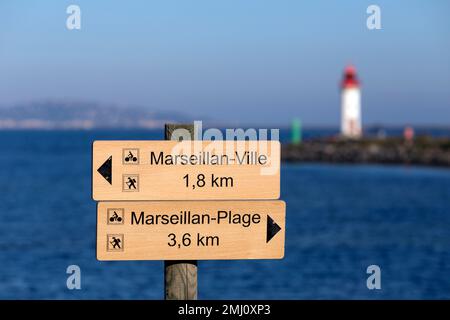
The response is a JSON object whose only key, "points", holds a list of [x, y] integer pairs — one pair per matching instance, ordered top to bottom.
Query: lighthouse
{"points": [[350, 105]]}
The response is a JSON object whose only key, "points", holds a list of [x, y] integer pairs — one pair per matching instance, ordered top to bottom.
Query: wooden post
{"points": [[180, 277]]}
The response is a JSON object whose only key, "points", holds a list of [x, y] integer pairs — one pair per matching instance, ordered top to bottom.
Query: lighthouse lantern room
{"points": [[350, 104]]}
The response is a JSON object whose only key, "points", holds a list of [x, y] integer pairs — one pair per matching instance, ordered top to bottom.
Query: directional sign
{"points": [[188, 170], [190, 230]]}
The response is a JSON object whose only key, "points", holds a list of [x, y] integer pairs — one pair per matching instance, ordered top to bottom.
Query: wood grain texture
{"points": [[170, 128], [167, 182], [154, 230], [180, 277], [180, 280]]}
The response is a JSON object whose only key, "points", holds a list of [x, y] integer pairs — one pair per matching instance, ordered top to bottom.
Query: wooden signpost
{"points": [[130, 178], [190, 230], [180, 276]]}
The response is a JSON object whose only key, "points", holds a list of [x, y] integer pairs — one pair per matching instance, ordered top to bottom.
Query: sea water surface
{"points": [[340, 219]]}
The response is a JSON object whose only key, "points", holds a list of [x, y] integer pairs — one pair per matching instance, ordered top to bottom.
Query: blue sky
{"points": [[236, 61]]}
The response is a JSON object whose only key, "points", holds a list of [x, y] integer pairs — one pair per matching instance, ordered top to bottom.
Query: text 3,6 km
{"points": [[186, 240]]}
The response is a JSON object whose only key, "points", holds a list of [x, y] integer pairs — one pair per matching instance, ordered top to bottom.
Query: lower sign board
{"points": [[187, 170], [188, 230]]}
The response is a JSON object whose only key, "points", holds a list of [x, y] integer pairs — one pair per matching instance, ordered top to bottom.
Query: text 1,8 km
{"points": [[201, 180], [186, 240]]}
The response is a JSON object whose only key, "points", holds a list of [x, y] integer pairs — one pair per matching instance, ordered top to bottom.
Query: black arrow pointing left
{"points": [[106, 170]]}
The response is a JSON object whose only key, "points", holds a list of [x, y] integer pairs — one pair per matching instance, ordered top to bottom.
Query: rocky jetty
{"points": [[421, 151]]}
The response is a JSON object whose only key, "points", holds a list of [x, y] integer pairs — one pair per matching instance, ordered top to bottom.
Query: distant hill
{"points": [[76, 115]]}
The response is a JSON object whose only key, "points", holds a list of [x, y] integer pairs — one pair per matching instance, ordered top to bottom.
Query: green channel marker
{"points": [[296, 132]]}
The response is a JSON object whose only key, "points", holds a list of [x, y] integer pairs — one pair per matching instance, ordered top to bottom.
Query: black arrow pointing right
{"points": [[106, 170], [272, 228]]}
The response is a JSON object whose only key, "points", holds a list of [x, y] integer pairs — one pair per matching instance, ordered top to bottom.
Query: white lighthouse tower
{"points": [[350, 105]]}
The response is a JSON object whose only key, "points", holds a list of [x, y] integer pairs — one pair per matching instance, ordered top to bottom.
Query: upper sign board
{"points": [[187, 170]]}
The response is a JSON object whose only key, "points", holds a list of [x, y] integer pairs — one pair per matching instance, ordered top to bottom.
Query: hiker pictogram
{"points": [[130, 156], [130, 182], [115, 216], [115, 242]]}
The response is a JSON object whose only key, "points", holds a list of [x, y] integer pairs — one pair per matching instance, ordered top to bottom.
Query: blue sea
{"points": [[340, 219]]}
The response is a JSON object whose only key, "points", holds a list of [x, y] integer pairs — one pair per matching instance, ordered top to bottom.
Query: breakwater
{"points": [[393, 150]]}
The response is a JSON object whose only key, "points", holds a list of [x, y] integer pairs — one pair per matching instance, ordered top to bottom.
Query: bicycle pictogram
{"points": [[130, 156], [115, 216]]}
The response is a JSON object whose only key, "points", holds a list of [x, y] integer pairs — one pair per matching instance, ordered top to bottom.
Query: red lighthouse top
{"points": [[350, 79]]}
